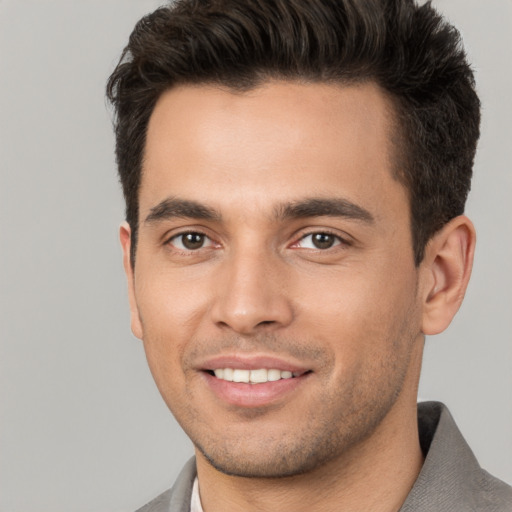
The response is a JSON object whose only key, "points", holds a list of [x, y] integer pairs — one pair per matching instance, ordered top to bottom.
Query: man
{"points": [[295, 175]]}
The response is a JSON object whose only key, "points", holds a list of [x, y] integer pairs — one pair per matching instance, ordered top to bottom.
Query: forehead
{"points": [[278, 140]]}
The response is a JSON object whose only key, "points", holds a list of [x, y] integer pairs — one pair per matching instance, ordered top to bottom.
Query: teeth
{"points": [[241, 375], [274, 375], [253, 376], [258, 376]]}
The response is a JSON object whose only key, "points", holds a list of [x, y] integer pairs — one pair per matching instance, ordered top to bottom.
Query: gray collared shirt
{"points": [[451, 479]]}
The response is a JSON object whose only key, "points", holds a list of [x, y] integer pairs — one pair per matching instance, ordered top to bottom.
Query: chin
{"points": [[292, 455], [267, 467]]}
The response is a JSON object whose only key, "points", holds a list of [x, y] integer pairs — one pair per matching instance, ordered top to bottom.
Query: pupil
{"points": [[193, 240], [323, 240]]}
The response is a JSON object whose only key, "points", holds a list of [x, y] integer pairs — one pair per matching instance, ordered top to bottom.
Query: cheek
{"points": [[171, 303], [171, 314], [361, 314]]}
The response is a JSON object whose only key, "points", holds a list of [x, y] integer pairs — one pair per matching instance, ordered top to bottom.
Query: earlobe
{"points": [[125, 239], [446, 272]]}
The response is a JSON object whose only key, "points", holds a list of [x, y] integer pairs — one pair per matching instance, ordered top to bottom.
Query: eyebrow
{"points": [[173, 207], [324, 207]]}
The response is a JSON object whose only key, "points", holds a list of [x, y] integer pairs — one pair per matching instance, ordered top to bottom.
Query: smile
{"points": [[257, 376], [253, 380]]}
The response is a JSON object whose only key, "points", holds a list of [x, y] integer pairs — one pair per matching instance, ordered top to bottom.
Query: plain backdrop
{"points": [[82, 426]]}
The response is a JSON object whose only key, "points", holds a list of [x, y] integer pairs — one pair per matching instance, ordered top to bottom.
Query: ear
{"points": [[125, 237], [445, 271]]}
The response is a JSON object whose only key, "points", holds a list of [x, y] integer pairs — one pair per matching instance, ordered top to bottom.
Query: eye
{"points": [[191, 241], [319, 241]]}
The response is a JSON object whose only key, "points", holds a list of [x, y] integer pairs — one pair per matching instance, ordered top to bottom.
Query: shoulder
{"points": [[451, 479], [491, 494], [176, 499], [158, 504]]}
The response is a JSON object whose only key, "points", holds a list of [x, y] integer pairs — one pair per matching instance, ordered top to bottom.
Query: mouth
{"points": [[256, 376], [253, 381]]}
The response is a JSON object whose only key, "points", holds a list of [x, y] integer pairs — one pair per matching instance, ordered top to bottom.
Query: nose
{"points": [[251, 294]]}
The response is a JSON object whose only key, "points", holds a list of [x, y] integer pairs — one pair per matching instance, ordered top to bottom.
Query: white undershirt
{"points": [[195, 500]]}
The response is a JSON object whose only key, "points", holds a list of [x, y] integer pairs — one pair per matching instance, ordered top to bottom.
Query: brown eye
{"points": [[193, 240], [319, 240], [323, 240], [190, 241]]}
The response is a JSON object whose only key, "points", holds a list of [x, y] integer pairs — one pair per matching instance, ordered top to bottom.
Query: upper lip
{"points": [[254, 362]]}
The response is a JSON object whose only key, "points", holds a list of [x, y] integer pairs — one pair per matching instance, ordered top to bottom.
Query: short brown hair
{"points": [[408, 50]]}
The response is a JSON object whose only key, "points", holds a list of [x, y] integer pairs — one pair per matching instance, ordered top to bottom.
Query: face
{"points": [[274, 285]]}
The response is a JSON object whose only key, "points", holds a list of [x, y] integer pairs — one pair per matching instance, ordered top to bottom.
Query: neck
{"points": [[376, 475]]}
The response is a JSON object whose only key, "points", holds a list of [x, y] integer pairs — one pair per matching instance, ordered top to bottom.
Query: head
{"points": [[408, 50], [294, 173]]}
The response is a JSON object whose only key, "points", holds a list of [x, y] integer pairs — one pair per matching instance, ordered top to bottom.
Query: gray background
{"points": [[83, 428]]}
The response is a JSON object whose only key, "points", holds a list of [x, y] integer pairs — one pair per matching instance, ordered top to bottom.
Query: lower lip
{"points": [[243, 394]]}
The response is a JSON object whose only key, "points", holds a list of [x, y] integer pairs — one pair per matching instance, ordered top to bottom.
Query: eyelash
{"points": [[338, 241], [185, 250]]}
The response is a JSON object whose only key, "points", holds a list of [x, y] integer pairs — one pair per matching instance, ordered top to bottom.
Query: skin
{"points": [[255, 285]]}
